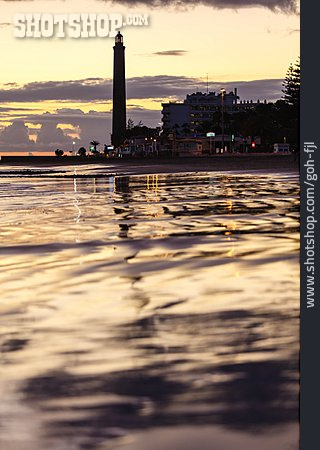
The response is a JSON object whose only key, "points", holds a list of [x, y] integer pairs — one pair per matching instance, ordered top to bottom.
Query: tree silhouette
{"points": [[291, 85], [130, 124], [186, 129], [141, 131], [59, 152], [82, 152]]}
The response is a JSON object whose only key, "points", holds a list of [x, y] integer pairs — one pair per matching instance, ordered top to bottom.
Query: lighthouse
{"points": [[119, 93]]}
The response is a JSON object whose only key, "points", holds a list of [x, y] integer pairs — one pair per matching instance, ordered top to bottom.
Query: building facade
{"points": [[199, 108]]}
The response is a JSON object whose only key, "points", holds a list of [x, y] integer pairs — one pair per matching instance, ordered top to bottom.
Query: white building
{"points": [[197, 108]]}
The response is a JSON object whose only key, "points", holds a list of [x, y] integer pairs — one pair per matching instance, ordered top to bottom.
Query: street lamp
{"points": [[223, 91]]}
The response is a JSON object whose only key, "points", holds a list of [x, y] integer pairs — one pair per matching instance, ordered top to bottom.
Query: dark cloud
{"points": [[288, 6], [170, 53], [160, 86], [166, 86], [152, 87], [88, 89], [270, 90], [5, 109], [67, 115], [92, 125], [17, 132], [52, 135], [15, 137]]}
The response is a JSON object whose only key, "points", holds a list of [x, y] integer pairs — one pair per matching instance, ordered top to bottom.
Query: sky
{"points": [[56, 91]]}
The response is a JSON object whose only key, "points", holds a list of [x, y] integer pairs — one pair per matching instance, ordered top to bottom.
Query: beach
{"points": [[271, 163], [157, 310]]}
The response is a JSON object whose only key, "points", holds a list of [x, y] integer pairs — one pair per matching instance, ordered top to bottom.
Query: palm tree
{"points": [[130, 124], [95, 145]]}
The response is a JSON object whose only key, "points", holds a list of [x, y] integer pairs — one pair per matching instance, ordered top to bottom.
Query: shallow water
{"points": [[149, 312]]}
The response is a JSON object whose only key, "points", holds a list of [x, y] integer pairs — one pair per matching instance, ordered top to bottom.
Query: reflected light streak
{"points": [[76, 200]]}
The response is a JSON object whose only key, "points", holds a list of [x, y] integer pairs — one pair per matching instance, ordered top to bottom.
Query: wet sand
{"points": [[269, 163], [149, 312]]}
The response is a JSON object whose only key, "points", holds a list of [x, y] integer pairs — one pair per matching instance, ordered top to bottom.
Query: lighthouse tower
{"points": [[119, 93]]}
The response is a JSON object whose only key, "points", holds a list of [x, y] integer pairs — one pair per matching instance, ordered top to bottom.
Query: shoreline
{"points": [[268, 163]]}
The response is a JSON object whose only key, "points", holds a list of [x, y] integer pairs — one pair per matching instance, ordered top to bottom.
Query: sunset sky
{"points": [[54, 91]]}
